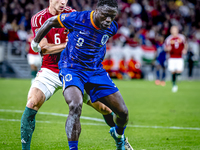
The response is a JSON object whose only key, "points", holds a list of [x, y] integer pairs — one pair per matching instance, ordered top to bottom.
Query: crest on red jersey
{"points": [[36, 30]]}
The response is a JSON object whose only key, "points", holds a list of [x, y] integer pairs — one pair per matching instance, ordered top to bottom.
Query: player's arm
{"points": [[44, 29], [167, 47], [47, 48], [185, 48]]}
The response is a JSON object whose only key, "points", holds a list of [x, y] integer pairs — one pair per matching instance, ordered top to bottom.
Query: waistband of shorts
{"points": [[81, 68]]}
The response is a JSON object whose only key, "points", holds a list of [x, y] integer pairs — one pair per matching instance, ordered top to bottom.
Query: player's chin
{"points": [[61, 9], [104, 26]]}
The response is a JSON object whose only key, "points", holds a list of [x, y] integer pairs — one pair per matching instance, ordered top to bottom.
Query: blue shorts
{"points": [[162, 63], [97, 84]]}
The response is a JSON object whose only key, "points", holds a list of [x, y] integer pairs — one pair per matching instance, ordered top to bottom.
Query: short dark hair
{"points": [[111, 3]]}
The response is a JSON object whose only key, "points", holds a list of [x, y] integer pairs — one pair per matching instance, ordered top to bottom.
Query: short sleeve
{"points": [[67, 20], [36, 23], [115, 28]]}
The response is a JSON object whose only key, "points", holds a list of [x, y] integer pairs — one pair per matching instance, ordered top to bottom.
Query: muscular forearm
{"points": [[52, 48]]}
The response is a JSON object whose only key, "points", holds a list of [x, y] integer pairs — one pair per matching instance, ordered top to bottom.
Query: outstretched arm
{"points": [[45, 28]]}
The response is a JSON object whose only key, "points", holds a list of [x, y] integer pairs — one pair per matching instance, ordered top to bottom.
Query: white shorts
{"points": [[34, 60], [175, 64], [48, 82]]}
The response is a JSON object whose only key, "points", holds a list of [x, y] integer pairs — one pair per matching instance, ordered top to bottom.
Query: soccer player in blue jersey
{"points": [[160, 61], [80, 66]]}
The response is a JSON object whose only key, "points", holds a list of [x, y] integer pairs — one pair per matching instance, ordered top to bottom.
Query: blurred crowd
{"points": [[143, 19], [141, 22]]}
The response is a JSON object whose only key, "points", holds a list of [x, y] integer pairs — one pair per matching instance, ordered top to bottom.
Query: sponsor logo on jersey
{"points": [[84, 32], [104, 39], [68, 77]]}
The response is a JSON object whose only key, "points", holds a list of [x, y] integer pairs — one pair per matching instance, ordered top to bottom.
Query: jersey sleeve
{"points": [[67, 20], [36, 22], [115, 28], [167, 42]]}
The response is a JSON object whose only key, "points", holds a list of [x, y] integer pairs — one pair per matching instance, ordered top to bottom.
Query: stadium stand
{"points": [[140, 23]]}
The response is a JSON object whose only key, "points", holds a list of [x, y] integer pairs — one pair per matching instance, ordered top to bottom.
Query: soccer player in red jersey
{"points": [[176, 45], [47, 81]]}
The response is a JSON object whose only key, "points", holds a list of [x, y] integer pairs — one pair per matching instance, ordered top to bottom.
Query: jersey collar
{"points": [[92, 21]]}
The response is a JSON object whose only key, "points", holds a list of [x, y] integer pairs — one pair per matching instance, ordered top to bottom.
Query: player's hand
{"points": [[66, 31], [66, 39], [66, 42], [35, 46], [168, 48], [184, 51]]}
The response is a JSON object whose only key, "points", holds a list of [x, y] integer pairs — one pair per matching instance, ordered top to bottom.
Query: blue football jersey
{"points": [[86, 47], [161, 54]]}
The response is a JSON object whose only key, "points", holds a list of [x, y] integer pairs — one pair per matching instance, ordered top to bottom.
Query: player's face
{"points": [[59, 5], [105, 15], [174, 30]]}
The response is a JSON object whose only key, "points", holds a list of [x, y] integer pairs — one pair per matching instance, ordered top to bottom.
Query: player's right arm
{"points": [[44, 29], [167, 45]]}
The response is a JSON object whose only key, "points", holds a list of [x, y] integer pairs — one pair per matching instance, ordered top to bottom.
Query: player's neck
{"points": [[53, 11], [174, 35]]}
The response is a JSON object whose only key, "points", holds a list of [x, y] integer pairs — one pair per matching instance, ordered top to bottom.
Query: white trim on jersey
{"points": [[42, 12], [34, 18], [171, 37]]}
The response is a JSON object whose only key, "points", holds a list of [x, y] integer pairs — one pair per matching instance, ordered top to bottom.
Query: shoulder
{"points": [[69, 9], [76, 15], [69, 16], [36, 19], [114, 27], [181, 36], [168, 38]]}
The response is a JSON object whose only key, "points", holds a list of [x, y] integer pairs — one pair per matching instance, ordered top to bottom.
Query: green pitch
{"points": [[159, 119]]}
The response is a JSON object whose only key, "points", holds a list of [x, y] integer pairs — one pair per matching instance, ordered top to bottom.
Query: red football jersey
{"points": [[55, 36], [177, 44]]}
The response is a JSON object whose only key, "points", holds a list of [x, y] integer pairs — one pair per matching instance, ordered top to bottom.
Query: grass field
{"points": [[158, 118]]}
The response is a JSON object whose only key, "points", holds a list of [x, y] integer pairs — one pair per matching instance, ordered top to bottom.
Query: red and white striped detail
{"points": [[34, 19], [170, 37]]}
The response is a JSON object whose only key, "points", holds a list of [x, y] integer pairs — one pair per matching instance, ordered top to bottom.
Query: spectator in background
{"points": [[144, 18], [21, 33], [176, 45], [193, 54], [34, 58], [160, 61], [108, 63], [133, 69], [122, 72]]}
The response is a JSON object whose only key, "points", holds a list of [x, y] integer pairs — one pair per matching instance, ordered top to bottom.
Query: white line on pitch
{"points": [[53, 114], [94, 119], [17, 120]]}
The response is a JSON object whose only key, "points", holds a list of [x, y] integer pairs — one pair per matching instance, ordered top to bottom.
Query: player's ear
{"points": [[96, 10]]}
